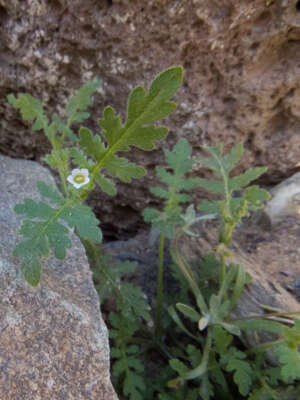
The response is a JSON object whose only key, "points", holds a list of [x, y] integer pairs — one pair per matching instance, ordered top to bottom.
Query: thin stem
{"points": [[61, 168], [223, 269], [188, 273], [159, 296], [266, 316], [264, 346], [202, 367]]}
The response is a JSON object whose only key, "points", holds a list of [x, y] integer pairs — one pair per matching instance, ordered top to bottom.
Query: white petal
{"points": [[76, 172], [85, 172], [70, 179]]}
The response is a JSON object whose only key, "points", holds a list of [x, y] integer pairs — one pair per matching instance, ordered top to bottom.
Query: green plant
{"points": [[42, 229], [196, 343], [218, 353]]}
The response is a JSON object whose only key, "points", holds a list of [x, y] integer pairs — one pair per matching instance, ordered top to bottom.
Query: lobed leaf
{"points": [[81, 101], [31, 109], [91, 144], [57, 157], [80, 159], [179, 159], [231, 159], [121, 168], [240, 181], [107, 185], [50, 192], [83, 219], [43, 232], [31, 270], [133, 302], [290, 359], [242, 374]]}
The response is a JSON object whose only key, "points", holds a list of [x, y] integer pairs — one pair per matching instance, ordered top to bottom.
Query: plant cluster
{"points": [[195, 344]]}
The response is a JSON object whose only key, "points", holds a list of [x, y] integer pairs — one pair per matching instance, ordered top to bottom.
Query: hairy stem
{"points": [[223, 269], [188, 273], [158, 330], [202, 367]]}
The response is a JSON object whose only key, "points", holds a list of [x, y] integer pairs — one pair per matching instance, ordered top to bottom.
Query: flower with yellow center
{"points": [[79, 177]]}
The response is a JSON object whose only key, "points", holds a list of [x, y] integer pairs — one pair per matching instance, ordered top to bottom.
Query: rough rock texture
{"points": [[242, 64], [53, 341]]}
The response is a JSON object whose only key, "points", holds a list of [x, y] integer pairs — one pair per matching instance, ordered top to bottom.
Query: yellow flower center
{"points": [[80, 178]]}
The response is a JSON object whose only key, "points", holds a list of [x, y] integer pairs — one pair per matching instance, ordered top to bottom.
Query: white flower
{"points": [[79, 177]]}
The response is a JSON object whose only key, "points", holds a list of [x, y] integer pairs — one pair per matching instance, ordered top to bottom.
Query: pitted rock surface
{"points": [[241, 82], [53, 341]]}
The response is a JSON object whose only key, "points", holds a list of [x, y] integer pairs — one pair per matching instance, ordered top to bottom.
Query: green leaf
{"points": [[81, 101], [31, 109], [143, 109], [91, 144], [57, 157], [80, 159], [179, 159], [231, 159], [180, 162], [121, 168], [240, 181], [107, 185], [212, 185], [50, 192], [256, 196], [208, 207], [32, 209], [230, 209], [83, 219], [43, 232], [39, 236], [31, 270], [240, 282], [133, 302], [188, 312], [177, 320], [262, 326], [234, 330], [222, 339], [290, 359], [178, 366], [243, 373], [133, 386], [206, 390]]}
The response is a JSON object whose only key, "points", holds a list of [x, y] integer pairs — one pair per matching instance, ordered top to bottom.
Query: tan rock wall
{"points": [[242, 69]]}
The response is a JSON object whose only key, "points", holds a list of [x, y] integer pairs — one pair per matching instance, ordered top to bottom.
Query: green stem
{"points": [[61, 168], [223, 269], [188, 273], [159, 296], [264, 346], [202, 367]]}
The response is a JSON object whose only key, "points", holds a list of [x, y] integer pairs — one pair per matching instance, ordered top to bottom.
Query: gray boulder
{"points": [[53, 341]]}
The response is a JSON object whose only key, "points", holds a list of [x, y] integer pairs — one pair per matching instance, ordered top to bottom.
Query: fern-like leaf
{"points": [[81, 101], [143, 109], [31, 110], [180, 162], [231, 209], [42, 231], [290, 359], [127, 368], [242, 371]]}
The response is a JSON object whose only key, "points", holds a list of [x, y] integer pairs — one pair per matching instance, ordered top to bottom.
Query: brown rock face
{"points": [[242, 69], [53, 341]]}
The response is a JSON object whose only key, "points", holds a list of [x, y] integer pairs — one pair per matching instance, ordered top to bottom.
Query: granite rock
{"points": [[53, 341]]}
